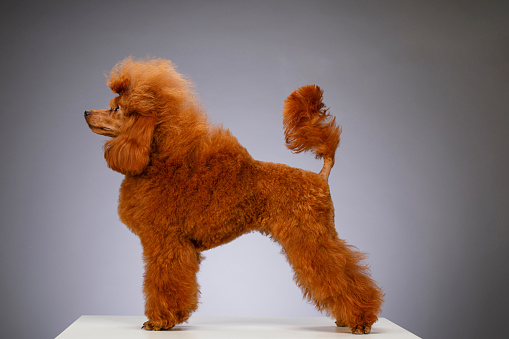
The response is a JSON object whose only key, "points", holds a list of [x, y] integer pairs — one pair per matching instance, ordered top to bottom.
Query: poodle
{"points": [[190, 186]]}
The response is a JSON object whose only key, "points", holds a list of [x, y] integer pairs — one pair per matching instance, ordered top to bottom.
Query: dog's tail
{"points": [[309, 126]]}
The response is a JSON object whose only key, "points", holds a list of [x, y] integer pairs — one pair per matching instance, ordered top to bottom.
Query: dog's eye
{"points": [[116, 108]]}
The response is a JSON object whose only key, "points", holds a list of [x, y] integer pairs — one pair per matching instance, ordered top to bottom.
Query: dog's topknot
{"points": [[146, 83]]}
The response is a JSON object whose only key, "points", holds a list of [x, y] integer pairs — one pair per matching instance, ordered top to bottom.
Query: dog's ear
{"points": [[129, 152]]}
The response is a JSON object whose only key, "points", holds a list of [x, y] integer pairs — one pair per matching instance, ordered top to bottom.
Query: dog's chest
{"points": [[159, 200], [143, 201]]}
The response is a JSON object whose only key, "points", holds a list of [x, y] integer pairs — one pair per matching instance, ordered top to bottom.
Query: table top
{"points": [[129, 327]]}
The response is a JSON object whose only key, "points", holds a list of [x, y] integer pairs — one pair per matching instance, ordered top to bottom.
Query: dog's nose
{"points": [[87, 113]]}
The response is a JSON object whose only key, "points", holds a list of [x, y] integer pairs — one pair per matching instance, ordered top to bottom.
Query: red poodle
{"points": [[190, 186]]}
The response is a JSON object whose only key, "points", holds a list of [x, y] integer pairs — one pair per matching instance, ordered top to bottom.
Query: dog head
{"points": [[149, 92], [106, 122]]}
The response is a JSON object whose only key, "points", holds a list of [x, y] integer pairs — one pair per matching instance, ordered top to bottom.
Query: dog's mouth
{"points": [[93, 123], [106, 129], [108, 132]]}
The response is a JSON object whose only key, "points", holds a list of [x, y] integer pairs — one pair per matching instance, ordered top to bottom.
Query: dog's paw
{"points": [[340, 323], [156, 326], [361, 329]]}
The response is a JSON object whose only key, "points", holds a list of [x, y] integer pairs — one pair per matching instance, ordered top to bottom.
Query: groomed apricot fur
{"points": [[190, 186]]}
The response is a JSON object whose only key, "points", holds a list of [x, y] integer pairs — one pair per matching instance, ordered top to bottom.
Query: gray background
{"points": [[421, 180]]}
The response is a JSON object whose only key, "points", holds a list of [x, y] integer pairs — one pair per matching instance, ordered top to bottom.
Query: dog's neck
{"points": [[177, 137]]}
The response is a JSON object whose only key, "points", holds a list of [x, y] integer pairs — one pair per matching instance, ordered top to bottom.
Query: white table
{"points": [[129, 327]]}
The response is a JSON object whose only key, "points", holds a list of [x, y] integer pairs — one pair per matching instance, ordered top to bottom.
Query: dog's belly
{"points": [[223, 222]]}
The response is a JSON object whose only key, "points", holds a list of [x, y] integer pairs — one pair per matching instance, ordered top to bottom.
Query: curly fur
{"points": [[190, 186]]}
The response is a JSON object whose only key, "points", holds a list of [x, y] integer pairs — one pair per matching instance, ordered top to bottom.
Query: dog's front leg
{"points": [[170, 286]]}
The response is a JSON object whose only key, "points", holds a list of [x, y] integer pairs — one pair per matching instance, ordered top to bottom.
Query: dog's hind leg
{"points": [[330, 272], [170, 286]]}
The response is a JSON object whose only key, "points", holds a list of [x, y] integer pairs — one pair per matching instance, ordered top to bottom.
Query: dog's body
{"points": [[190, 186]]}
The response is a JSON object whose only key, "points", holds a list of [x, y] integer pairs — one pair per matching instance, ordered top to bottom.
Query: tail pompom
{"points": [[309, 126]]}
